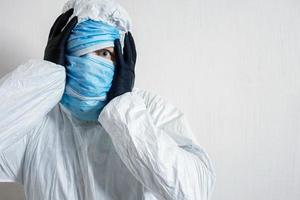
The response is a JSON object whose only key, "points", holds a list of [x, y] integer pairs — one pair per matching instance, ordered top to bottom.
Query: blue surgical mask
{"points": [[89, 78]]}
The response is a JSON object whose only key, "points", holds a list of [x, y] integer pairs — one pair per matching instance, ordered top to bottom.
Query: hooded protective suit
{"points": [[140, 148]]}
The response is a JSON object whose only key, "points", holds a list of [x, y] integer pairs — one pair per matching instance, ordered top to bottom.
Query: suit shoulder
{"points": [[155, 101]]}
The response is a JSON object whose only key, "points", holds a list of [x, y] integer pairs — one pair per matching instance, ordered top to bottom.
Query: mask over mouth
{"points": [[89, 77]]}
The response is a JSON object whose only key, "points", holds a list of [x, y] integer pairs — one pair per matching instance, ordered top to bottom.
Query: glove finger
{"points": [[61, 22], [54, 25], [68, 29], [133, 48], [127, 49], [118, 51]]}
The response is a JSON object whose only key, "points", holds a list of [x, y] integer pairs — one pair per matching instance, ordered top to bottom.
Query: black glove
{"points": [[55, 49], [124, 75]]}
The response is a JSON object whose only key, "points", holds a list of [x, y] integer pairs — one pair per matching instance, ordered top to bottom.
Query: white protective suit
{"points": [[141, 149]]}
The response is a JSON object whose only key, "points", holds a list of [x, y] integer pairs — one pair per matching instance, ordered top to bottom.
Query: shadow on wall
{"points": [[11, 191]]}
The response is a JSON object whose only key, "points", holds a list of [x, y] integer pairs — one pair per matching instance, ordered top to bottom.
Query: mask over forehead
{"points": [[107, 11], [89, 36], [89, 77]]}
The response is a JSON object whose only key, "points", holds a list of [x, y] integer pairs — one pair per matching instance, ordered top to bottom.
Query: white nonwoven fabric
{"points": [[108, 11], [141, 148]]}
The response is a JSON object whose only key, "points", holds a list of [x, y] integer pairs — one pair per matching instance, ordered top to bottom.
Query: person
{"points": [[73, 126]]}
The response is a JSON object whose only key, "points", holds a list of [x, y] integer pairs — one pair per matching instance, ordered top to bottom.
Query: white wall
{"points": [[232, 66]]}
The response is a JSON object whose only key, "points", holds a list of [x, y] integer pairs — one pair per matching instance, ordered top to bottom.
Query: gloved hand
{"points": [[55, 49], [124, 75]]}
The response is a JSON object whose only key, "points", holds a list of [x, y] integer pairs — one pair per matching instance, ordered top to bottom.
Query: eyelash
{"points": [[105, 51]]}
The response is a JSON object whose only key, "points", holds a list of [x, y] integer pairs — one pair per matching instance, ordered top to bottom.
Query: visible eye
{"points": [[105, 53]]}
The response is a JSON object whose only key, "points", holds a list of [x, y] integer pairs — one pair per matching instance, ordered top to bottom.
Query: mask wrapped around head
{"points": [[107, 11], [89, 76]]}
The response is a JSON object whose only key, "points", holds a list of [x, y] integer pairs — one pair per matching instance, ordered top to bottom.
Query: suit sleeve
{"points": [[27, 94], [154, 141]]}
